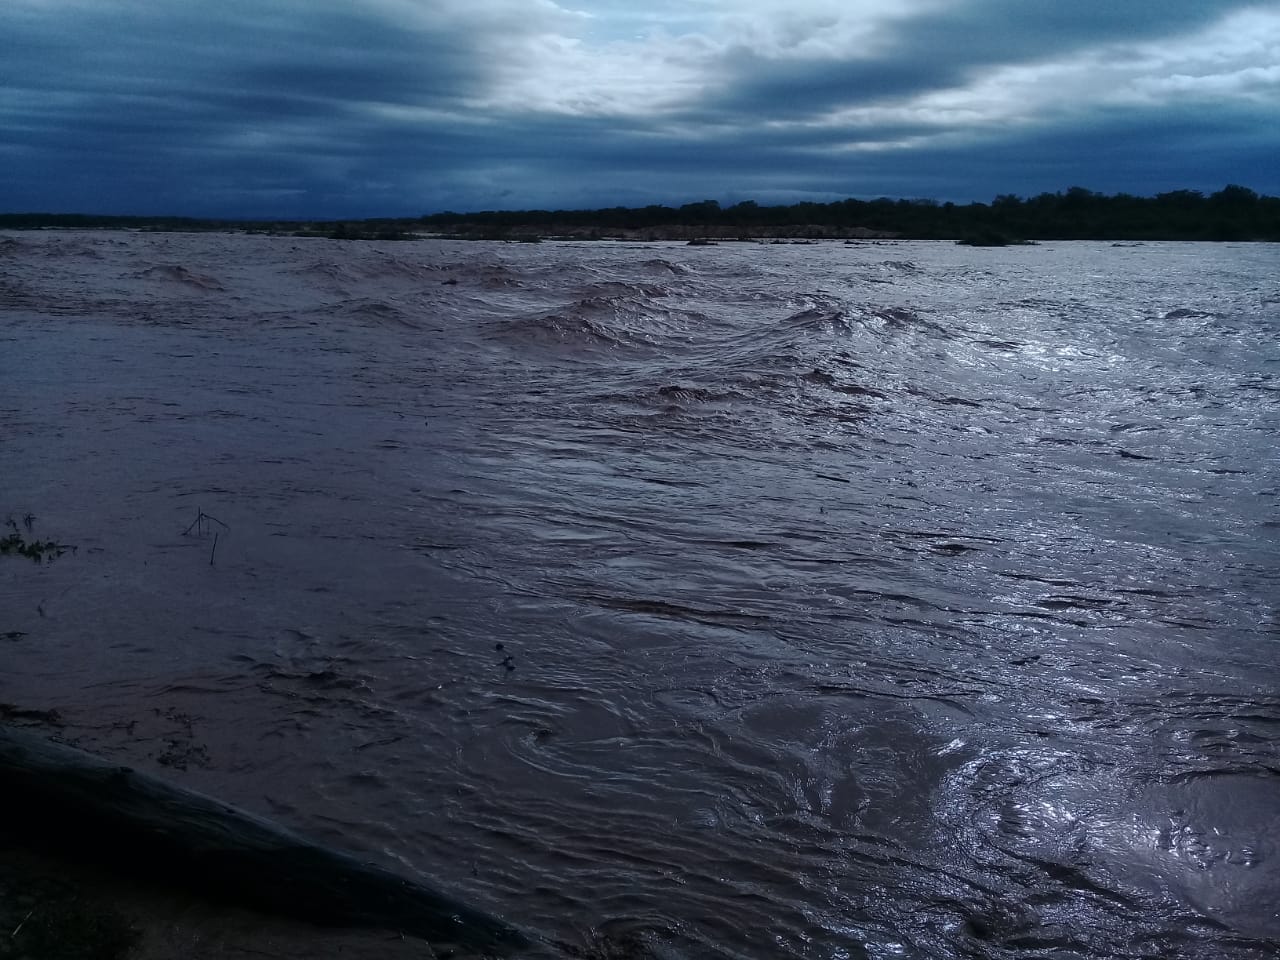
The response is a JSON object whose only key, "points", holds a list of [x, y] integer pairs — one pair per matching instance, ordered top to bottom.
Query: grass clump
{"points": [[36, 550], [69, 928]]}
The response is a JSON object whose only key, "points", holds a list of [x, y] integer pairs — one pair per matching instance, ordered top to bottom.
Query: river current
{"points": [[755, 600]]}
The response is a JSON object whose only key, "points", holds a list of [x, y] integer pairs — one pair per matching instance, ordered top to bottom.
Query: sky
{"points": [[355, 108]]}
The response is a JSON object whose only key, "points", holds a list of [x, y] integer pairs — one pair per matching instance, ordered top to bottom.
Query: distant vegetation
{"points": [[1233, 213]]}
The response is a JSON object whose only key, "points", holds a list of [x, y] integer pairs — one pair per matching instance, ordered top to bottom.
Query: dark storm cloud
{"points": [[944, 47], [318, 48], [222, 67], [144, 98], [373, 107]]}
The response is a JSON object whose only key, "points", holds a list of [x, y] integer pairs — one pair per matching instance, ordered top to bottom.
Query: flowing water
{"points": [[816, 601]]}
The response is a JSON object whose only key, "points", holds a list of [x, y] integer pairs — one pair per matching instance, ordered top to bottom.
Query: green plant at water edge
{"points": [[38, 551]]}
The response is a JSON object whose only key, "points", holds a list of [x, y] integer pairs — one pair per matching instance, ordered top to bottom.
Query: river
{"points": [[884, 599]]}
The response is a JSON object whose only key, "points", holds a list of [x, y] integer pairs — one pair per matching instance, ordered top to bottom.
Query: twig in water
{"points": [[198, 524], [22, 924]]}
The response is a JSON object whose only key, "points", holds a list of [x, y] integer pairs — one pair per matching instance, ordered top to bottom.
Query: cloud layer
{"points": [[371, 107]]}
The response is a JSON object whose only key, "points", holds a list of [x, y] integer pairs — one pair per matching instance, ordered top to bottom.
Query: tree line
{"points": [[1232, 213]]}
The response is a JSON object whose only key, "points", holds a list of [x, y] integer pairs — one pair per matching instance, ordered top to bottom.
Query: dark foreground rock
{"points": [[77, 805]]}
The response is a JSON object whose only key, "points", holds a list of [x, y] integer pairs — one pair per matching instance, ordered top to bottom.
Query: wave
{"points": [[69, 249], [385, 266], [659, 267], [325, 271], [176, 273], [496, 277], [622, 289], [380, 313], [1187, 313], [831, 317], [623, 323], [571, 328], [831, 382], [674, 397]]}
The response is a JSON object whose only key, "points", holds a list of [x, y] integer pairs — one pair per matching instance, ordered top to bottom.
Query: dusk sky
{"points": [[331, 108]]}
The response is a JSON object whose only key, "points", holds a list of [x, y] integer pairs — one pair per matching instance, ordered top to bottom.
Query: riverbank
{"points": [[56, 909]]}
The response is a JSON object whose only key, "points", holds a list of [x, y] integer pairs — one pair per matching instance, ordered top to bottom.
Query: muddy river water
{"points": [[815, 601]]}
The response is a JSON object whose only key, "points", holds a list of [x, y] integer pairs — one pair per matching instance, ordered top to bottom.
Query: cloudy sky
{"points": [[399, 107]]}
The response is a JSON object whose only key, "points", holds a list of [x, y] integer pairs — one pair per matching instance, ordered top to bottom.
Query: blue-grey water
{"points": [[753, 601]]}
